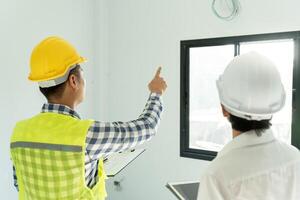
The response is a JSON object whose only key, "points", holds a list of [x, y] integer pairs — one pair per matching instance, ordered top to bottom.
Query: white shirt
{"points": [[253, 168]]}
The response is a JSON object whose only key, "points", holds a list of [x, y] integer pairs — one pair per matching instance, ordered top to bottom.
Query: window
{"points": [[203, 129]]}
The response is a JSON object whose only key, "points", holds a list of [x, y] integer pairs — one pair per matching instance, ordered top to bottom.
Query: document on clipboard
{"points": [[116, 162], [184, 190]]}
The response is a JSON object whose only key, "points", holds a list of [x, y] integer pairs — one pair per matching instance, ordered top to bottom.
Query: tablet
{"points": [[116, 162], [184, 190]]}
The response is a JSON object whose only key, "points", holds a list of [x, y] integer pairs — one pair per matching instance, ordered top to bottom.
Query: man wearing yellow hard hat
{"points": [[58, 155]]}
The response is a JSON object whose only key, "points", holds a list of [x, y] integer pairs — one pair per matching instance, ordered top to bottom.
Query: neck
{"points": [[66, 102], [235, 133]]}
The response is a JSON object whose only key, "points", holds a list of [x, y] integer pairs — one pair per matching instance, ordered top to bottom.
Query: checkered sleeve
{"points": [[107, 137], [15, 179]]}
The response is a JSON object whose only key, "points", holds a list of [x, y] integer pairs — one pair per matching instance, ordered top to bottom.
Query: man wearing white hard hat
{"points": [[254, 165]]}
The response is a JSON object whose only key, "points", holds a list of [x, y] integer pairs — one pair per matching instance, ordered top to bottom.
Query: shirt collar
{"points": [[60, 109], [247, 139]]}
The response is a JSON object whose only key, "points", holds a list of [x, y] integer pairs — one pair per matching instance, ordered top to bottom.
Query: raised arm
{"points": [[109, 137]]}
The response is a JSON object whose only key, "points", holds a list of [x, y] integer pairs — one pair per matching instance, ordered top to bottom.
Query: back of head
{"points": [[251, 89]]}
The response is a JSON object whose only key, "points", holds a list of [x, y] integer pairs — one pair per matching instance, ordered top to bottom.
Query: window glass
{"points": [[209, 130]]}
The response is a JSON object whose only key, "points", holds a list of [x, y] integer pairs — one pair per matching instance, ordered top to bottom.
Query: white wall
{"points": [[23, 25], [143, 34]]}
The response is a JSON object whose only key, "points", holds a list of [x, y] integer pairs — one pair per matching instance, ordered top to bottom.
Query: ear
{"points": [[73, 82], [224, 111]]}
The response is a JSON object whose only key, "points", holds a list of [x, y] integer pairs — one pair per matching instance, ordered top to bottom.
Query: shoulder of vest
{"points": [[28, 120]]}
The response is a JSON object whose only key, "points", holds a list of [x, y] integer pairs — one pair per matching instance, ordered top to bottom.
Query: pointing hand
{"points": [[158, 84]]}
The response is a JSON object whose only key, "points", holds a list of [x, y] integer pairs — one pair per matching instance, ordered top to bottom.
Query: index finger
{"points": [[158, 72]]}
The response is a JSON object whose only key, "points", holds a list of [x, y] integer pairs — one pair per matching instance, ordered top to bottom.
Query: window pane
{"points": [[282, 54], [209, 130]]}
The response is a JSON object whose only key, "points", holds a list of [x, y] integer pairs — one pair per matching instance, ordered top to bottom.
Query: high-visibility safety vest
{"points": [[48, 152]]}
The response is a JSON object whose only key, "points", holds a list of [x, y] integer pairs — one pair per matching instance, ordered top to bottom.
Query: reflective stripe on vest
{"points": [[48, 152]]}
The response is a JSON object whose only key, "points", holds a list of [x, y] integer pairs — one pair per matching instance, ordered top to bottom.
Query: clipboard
{"points": [[116, 162], [184, 190]]}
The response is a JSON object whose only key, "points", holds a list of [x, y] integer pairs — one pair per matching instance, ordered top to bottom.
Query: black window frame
{"points": [[185, 45]]}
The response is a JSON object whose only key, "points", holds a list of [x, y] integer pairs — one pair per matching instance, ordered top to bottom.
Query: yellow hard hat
{"points": [[51, 60]]}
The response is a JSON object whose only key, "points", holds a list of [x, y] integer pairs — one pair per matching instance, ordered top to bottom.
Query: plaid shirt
{"points": [[104, 138]]}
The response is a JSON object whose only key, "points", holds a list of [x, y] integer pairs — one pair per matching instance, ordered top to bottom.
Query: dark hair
{"points": [[57, 91], [244, 125]]}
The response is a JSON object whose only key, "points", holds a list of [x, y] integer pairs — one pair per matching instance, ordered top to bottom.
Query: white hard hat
{"points": [[251, 88]]}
